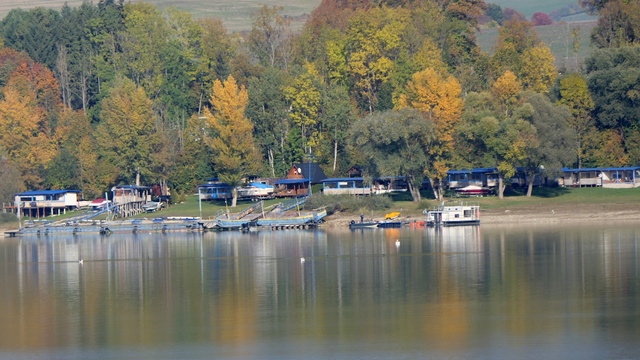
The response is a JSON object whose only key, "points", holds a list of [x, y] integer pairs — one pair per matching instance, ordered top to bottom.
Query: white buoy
{"points": [[397, 243], [301, 259]]}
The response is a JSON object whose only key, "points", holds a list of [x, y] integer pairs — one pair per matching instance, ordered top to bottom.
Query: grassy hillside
{"points": [[529, 7], [236, 15]]}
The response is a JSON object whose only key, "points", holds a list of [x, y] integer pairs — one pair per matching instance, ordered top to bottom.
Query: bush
{"points": [[349, 203], [7, 218]]}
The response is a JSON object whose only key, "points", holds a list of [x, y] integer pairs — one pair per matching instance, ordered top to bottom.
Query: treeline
{"points": [[127, 93]]}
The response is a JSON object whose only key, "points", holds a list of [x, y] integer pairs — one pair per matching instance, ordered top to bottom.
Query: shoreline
{"points": [[520, 216], [529, 216]]}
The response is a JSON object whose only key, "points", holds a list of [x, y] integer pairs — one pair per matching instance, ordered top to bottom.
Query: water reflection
{"points": [[493, 292]]}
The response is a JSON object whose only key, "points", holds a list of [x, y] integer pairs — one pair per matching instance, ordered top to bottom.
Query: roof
{"points": [[602, 169], [311, 170], [477, 170], [343, 179], [292, 181], [216, 185], [260, 185], [135, 187], [47, 192]]}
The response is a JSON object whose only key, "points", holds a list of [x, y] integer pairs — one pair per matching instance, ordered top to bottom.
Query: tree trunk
{"points": [[335, 155], [271, 162], [137, 176], [530, 178], [501, 187], [437, 189], [415, 193], [234, 200]]}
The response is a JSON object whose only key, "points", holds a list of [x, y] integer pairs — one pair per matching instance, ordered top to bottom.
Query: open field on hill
{"points": [[236, 15]]}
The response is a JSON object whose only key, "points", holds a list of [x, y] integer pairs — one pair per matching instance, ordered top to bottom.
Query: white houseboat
{"points": [[454, 215]]}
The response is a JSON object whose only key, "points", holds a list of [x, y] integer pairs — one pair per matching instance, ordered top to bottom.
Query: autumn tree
{"points": [[540, 19], [374, 42], [520, 50], [438, 96], [127, 134], [24, 135], [231, 138]]}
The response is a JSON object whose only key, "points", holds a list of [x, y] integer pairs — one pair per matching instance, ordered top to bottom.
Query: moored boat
{"points": [[454, 215]]}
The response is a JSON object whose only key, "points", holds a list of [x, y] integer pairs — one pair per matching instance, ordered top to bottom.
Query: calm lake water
{"points": [[488, 292]]}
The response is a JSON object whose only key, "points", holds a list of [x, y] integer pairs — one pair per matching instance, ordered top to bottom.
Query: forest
{"points": [[125, 93]]}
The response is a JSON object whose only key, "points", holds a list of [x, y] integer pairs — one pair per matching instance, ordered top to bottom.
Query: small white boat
{"points": [[454, 215]]}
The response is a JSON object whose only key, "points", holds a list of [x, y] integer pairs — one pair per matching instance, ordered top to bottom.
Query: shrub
{"points": [[349, 203], [7, 218]]}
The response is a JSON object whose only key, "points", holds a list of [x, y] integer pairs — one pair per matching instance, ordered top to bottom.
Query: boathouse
{"points": [[609, 177], [129, 200], [46, 202]]}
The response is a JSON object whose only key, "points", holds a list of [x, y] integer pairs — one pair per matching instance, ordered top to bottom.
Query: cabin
{"points": [[355, 171], [483, 177], [611, 177], [488, 178], [298, 180], [387, 184], [346, 186], [215, 190], [46, 202]]}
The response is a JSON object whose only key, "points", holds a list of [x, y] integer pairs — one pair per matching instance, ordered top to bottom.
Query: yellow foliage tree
{"points": [[538, 70], [506, 90], [438, 96], [305, 98], [24, 135], [235, 152]]}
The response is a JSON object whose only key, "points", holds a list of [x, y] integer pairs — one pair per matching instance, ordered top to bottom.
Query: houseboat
{"points": [[453, 215]]}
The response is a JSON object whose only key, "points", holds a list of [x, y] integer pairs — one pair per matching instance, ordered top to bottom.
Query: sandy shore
{"points": [[536, 215]]}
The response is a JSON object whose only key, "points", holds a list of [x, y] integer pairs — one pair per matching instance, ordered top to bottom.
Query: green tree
{"points": [[270, 37], [614, 82], [574, 94], [304, 97], [267, 108], [336, 114], [127, 135], [554, 136], [395, 143], [235, 151]]}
